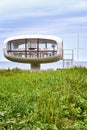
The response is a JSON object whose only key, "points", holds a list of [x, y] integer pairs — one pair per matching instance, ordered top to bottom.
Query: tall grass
{"points": [[48, 100]]}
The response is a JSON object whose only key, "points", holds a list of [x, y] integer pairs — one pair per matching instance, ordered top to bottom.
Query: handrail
{"points": [[31, 50]]}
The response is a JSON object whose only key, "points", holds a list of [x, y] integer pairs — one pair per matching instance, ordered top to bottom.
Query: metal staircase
{"points": [[68, 56]]}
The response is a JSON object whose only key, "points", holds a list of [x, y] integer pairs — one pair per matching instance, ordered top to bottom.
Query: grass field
{"points": [[45, 100]]}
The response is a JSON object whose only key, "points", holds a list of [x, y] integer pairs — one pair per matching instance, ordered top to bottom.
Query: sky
{"points": [[66, 19]]}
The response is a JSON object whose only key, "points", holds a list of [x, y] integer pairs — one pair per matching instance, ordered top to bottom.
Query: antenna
{"points": [[78, 47]]}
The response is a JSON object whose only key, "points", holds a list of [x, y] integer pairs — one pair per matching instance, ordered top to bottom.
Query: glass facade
{"points": [[32, 48]]}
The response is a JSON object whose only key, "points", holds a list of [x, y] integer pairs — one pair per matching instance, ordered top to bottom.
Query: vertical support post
{"points": [[46, 46], [25, 47], [10, 48], [37, 48], [62, 50], [63, 57], [72, 57], [35, 67]]}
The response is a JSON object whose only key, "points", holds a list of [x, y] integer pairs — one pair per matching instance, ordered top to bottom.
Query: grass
{"points": [[46, 100]]}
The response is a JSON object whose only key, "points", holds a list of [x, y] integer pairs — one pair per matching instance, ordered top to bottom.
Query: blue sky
{"points": [[64, 18]]}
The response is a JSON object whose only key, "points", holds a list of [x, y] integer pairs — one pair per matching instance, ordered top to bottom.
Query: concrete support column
{"points": [[35, 67]]}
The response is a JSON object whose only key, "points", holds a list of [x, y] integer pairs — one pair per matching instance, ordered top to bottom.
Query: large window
{"points": [[32, 48]]}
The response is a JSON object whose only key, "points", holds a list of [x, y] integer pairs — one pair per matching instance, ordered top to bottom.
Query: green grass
{"points": [[46, 100]]}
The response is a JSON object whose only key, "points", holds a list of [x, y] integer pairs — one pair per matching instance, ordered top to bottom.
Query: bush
{"points": [[46, 100]]}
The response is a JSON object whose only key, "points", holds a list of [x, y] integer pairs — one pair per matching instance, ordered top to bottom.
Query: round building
{"points": [[33, 49]]}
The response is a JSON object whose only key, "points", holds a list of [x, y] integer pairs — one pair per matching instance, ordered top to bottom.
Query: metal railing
{"points": [[32, 53], [68, 57]]}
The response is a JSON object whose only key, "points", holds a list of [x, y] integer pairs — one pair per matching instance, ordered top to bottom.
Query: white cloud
{"points": [[81, 4], [15, 9], [45, 17]]}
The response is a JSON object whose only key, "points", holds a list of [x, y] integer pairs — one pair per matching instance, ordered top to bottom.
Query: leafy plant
{"points": [[46, 100]]}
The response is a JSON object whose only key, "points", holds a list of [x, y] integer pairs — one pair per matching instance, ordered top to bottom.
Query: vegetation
{"points": [[46, 100]]}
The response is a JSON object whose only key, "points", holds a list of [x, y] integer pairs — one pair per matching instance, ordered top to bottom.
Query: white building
{"points": [[33, 49]]}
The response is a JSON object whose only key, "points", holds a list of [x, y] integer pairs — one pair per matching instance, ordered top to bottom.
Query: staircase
{"points": [[68, 56]]}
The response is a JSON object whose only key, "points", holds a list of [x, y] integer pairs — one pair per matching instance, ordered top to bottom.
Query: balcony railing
{"points": [[32, 53]]}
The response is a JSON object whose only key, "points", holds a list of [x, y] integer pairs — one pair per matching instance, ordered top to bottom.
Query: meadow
{"points": [[44, 100]]}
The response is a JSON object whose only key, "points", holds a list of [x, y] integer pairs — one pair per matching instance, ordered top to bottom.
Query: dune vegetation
{"points": [[45, 100]]}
